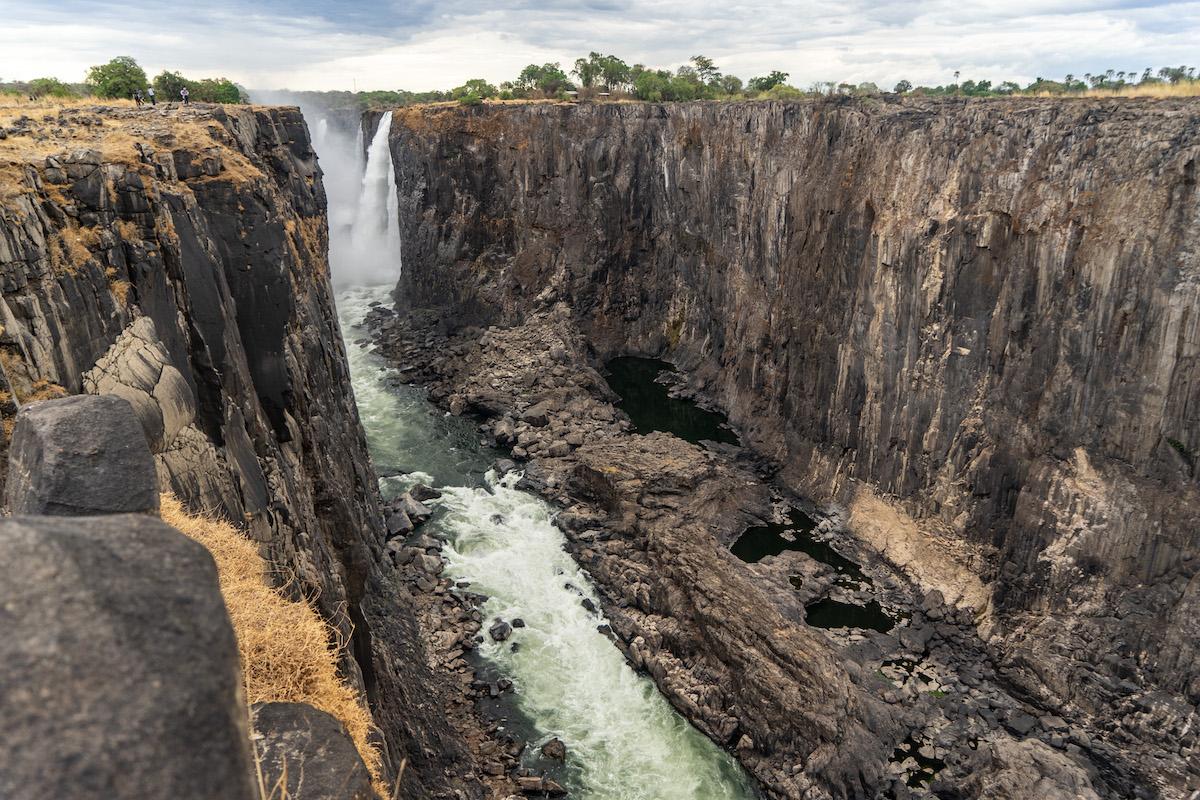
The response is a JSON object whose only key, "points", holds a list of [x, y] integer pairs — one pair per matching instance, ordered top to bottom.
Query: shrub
{"points": [[120, 77], [286, 649]]}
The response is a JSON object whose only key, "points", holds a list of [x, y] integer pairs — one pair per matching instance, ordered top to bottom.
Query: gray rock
{"points": [[538, 415], [80, 455], [422, 492], [417, 511], [398, 524], [500, 631], [121, 675], [313, 749], [555, 749]]}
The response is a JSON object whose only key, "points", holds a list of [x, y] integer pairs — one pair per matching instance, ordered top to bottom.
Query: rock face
{"points": [[178, 259], [984, 312], [82, 455], [121, 673], [308, 752]]}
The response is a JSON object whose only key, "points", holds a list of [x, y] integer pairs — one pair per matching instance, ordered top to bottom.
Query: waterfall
{"points": [[367, 252]]}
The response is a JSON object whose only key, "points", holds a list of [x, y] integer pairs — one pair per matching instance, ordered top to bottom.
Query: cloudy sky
{"points": [[424, 44]]}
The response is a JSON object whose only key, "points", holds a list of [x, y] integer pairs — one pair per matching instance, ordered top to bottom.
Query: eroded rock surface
{"points": [[177, 258], [971, 324], [121, 673], [307, 753]]}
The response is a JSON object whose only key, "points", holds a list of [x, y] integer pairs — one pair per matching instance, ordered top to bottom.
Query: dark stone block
{"points": [[80, 455], [121, 676], [313, 748]]}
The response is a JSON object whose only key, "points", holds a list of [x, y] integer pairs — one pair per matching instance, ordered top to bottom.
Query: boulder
{"points": [[538, 415], [80, 455], [422, 492], [417, 511], [398, 524], [500, 631], [121, 676], [555, 749], [313, 750], [541, 786]]}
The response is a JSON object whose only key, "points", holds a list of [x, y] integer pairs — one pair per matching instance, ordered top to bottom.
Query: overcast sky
{"points": [[389, 44]]}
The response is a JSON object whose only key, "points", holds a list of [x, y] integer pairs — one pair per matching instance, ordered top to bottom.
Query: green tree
{"points": [[705, 68], [588, 69], [607, 72], [118, 78], [549, 79], [768, 82], [731, 84], [167, 85], [653, 85], [49, 87], [903, 87], [476, 88], [217, 90], [782, 91]]}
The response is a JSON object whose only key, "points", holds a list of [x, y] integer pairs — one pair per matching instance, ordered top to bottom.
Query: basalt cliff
{"points": [[177, 258], [970, 328]]}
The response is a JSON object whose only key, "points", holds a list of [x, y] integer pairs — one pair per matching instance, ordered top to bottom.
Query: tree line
{"points": [[122, 76], [600, 76]]}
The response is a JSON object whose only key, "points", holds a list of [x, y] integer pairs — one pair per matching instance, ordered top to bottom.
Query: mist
{"points": [[363, 207]]}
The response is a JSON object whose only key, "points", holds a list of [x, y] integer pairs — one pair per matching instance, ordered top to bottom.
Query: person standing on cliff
{"points": [[183, 95], [137, 97], [153, 100]]}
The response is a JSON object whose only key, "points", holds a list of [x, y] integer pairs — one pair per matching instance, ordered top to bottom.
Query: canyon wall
{"points": [[178, 259], [976, 324]]}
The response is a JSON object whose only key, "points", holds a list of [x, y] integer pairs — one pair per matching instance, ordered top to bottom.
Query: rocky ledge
{"points": [[177, 258], [968, 323], [926, 707]]}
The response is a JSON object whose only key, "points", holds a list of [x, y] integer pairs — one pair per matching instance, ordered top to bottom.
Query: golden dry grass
{"points": [[1181, 89], [121, 130], [286, 649]]}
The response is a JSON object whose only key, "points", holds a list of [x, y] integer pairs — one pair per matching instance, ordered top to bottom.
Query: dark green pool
{"points": [[651, 408], [794, 533], [834, 614]]}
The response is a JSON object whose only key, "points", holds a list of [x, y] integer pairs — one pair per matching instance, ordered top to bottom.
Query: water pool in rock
{"points": [[651, 408], [795, 532], [836, 614]]}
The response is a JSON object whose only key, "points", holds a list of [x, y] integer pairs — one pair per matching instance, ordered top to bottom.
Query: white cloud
{"points": [[426, 44]]}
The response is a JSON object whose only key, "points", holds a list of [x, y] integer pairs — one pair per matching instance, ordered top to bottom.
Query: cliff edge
{"points": [[178, 258], [972, 324]]}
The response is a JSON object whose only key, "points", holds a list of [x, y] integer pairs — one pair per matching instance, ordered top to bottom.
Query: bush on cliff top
{"points": [[285, 646]]}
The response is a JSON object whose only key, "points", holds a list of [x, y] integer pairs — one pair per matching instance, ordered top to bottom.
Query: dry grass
{"points": [[1181, 89], [118, 129], [286, 649]]}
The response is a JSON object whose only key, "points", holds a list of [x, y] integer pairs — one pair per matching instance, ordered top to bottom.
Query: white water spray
{"points": [[371, 253], [624, 741]]}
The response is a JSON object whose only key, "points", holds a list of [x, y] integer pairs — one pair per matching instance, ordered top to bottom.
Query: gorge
{"points": [[968, 325], [827, 449]]}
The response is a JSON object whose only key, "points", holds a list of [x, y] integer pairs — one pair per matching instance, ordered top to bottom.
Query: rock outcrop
{"points": [[177, 258], [973, 324], [82, 455], [121, 672], [308, 755]]}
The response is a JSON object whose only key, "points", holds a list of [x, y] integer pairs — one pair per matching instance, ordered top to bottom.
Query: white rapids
{"points": [[624, 740]]}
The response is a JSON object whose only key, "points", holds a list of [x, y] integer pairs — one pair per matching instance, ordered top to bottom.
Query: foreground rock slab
{"points": [[80, 455], [121, 677], [309, 752]]}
